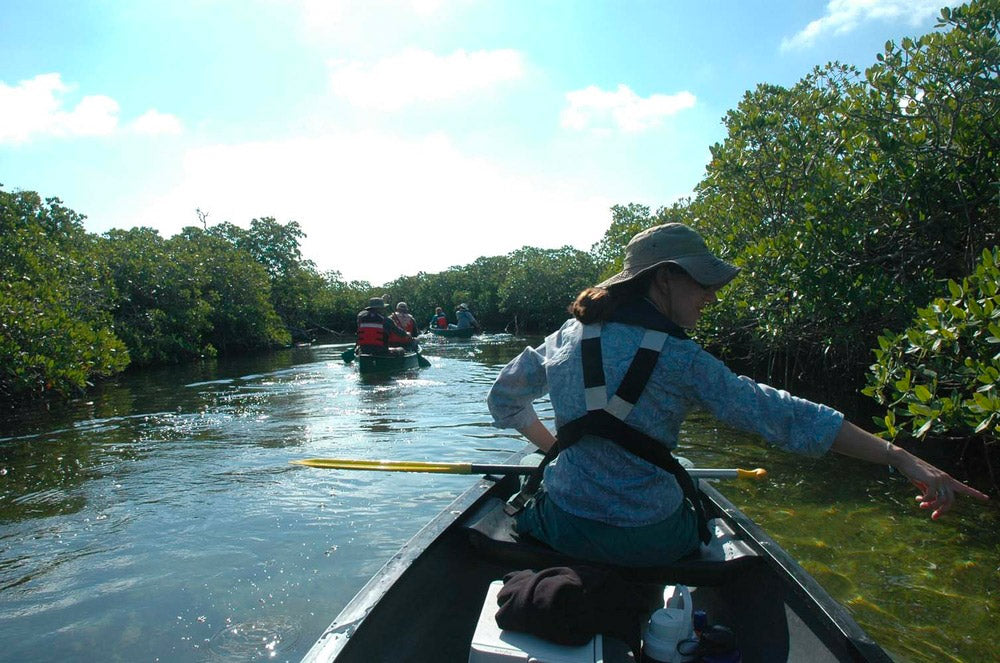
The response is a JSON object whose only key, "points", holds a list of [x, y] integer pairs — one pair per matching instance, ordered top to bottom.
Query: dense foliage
{"points": [[76, 307], [158, 307], [55, 327], [941, 376]]}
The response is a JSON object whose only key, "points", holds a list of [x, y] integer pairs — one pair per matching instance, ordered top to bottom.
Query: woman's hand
{"points": [[937, 487]]}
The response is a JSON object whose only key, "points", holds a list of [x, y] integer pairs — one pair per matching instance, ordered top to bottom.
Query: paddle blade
{"points": [[347, 355], [423, 363]]}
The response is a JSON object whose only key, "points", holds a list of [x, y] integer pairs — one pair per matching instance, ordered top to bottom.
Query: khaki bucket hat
{"points": [[673, 243]]}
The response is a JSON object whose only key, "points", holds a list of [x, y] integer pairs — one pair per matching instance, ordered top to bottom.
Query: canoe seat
{"points": [[491, 533]]}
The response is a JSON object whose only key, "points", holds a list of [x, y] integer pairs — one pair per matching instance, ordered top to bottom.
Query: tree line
{"points": [[863, 208], [76, 307]]}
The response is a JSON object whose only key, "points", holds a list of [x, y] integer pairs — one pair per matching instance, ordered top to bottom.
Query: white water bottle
{"points": [[668, 626]]}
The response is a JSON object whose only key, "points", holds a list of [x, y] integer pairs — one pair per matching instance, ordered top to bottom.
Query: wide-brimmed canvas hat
{"points": [[673, 243], [376, 302]]}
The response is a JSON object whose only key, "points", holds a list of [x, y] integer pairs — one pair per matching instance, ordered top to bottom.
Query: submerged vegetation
{"points": [[863, 207]]}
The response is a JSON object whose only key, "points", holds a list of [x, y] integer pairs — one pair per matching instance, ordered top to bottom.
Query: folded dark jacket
{"points": [[569, 605]]}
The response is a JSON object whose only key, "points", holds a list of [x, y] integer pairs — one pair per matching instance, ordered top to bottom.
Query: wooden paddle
{"points": [[474, 468]]}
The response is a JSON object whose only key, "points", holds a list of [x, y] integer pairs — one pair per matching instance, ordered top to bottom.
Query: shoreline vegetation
{"points": [[863, 207]]}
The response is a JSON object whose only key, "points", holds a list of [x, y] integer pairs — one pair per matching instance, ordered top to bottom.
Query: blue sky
{"points": [[402, 135]]}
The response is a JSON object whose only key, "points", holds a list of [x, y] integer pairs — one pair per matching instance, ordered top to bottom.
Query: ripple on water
{"points": [[206, 383], [258, 639]]}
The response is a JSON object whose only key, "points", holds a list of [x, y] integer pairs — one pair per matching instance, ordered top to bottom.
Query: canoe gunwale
{"points": [[837, 616], [337, 635]]}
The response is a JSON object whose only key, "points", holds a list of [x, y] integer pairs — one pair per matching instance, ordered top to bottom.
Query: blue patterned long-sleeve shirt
{"points": [[600, 480]]}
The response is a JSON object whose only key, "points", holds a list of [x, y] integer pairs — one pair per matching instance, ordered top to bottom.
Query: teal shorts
{"points": [[647, 545]]}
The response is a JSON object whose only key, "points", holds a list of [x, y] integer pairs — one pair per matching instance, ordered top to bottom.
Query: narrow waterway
{"points": [[159, 519]]}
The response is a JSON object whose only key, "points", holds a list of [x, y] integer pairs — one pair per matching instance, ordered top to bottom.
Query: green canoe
{"points": [[466, 332], [387, 363], [369, 364]]}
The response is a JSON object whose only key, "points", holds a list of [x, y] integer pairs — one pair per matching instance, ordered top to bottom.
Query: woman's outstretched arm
{"points": [[937, 487]]}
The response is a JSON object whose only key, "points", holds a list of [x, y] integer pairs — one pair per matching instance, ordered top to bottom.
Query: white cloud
{"points": [[426, 7], [336, 15], [843, 16], [416, 76], [36, 107], [593, 108], [95, 115], [154, 122], [376, 206]]}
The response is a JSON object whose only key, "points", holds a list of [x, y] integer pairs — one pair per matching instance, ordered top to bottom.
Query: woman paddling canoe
{"points": [[621, 376]]}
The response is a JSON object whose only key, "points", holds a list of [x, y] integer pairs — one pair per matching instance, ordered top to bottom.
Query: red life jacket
{"points": [[405, 322], [441, 322], [371, 329], [399, 339]]}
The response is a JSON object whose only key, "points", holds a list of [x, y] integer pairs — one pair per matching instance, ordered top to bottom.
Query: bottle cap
{"points": [[700, 620], [666, 628]]}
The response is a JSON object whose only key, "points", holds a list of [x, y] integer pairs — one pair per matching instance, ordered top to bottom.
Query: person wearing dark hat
{"points": [[465, 318], [377, 333], [621, 377]]}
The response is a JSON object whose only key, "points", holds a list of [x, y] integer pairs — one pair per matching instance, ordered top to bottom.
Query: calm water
{"points": [[159, 520]]}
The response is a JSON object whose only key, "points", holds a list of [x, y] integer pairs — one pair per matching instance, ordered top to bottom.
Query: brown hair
{"points": [[598, 304]]}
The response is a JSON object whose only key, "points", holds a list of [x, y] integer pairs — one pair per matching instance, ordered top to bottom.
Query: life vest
{"points": [[441, 321], [405, 322], [371, 329], [396, 338], [606, 417]]}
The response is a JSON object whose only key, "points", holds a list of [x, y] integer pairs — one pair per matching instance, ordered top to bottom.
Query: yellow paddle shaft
{"points": [[394, 465], [473, 468]]}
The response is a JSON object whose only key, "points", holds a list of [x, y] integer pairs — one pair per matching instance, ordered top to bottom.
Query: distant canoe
{"points": [[466, 332], [369, 364]]}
